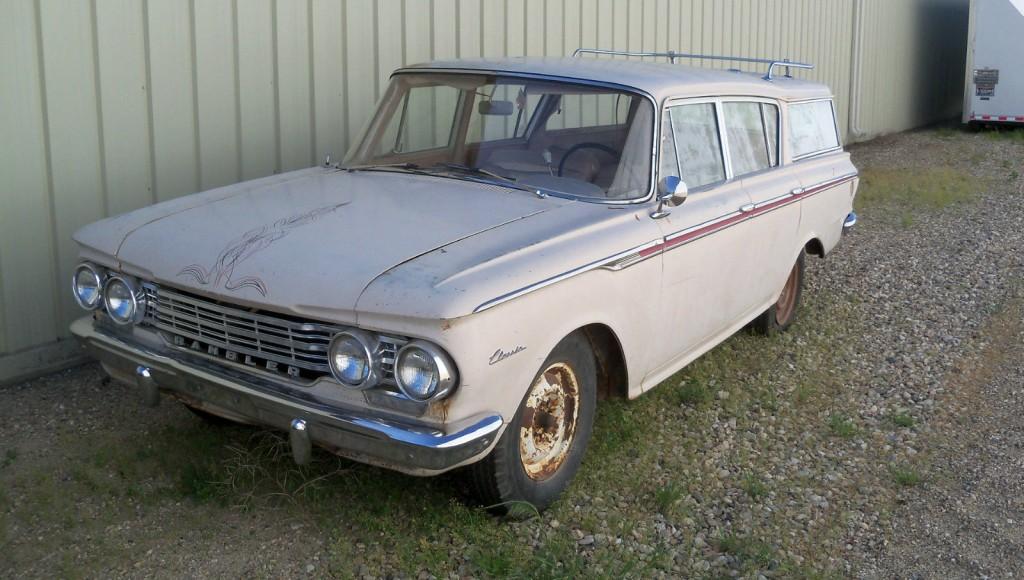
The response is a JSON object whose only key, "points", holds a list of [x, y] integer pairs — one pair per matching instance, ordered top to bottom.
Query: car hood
{"points": [[309, 242]]}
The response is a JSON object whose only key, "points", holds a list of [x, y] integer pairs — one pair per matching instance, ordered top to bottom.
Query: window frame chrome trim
{"points": [[835, 126], [652, 185]]}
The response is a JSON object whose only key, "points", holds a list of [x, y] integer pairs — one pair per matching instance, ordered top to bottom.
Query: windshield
{"points": [[562, 138]]}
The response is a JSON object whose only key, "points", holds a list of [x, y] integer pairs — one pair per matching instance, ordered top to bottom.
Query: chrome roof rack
{"points": [[673, 55]]}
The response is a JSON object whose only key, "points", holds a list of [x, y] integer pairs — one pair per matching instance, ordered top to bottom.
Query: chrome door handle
{"points": [[798, 191], [747, 208]]}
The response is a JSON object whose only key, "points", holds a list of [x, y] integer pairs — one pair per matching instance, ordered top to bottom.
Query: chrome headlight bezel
{"points": [[98, 276], [137, 300], [367, 343], [444, 370]]}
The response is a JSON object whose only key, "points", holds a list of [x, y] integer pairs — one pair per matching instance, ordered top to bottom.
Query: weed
{"points": [[1014, 175], [906, 219], [693, 393], [803, 393], [902, 420], [841, 426], [9, 457], [905, 476], [198, 482], [754, 487], [666, 497], [749, 552]]}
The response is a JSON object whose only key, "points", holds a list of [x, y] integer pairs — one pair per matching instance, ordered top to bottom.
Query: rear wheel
{"points": [[781, 315], [542, 447]]}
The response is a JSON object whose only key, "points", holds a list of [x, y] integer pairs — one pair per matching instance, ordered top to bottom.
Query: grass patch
{"points": [[1005, 134], [915, 188], [693, 393], [902, 420], [841, 426], [10, 456], [905, 476], [754, 487], [666, 497], [749, 553]]}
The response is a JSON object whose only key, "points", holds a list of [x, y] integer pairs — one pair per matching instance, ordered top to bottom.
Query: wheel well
{"points": [[815, 248], [612, 378]]}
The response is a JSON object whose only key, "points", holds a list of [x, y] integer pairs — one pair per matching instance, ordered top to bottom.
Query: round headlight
{"points": [[87, 286], [123, 299], [351, 359], [423, 371]]}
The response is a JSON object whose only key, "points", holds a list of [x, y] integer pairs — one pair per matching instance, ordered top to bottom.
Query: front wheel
{"points": [[781, 315], [542, 447]]}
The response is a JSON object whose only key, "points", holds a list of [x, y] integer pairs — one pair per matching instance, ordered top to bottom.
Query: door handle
{"points": [[798, 191], [747, 208]]}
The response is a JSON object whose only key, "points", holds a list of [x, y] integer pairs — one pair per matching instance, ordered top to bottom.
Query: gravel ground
{"points": [[880, 438]]}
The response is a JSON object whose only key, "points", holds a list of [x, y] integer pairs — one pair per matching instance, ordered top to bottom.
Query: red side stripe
{"points": [[715, 227]]}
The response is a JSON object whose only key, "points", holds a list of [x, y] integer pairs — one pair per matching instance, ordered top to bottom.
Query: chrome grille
{"points": [[288, 341]]}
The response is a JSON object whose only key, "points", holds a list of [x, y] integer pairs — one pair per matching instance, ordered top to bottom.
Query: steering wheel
{"points": [[581, 146]]}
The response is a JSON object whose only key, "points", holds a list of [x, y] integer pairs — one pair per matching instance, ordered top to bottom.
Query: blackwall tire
{"points": [[541, 449]]}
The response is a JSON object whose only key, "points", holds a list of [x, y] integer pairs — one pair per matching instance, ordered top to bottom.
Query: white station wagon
{"points": [[505, 245]]}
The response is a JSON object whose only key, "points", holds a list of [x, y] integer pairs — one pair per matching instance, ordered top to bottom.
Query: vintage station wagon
{"points": [[509, 242]]}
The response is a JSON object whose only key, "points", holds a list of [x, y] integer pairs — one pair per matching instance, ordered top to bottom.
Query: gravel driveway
{"points": [[880, 438]]}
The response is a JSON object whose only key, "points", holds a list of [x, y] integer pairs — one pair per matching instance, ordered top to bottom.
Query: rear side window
{"points": [[812, 128], [752, 130], [691, 147]]}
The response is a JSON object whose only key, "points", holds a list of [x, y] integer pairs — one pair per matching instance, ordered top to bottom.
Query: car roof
{"points": [[659, 79]]}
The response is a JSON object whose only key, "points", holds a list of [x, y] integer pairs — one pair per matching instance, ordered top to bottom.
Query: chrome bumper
{"points": [[849, 222], [352, 433]]}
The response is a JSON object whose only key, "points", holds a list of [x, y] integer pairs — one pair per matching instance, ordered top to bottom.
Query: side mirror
{"points": [[672, 192]]}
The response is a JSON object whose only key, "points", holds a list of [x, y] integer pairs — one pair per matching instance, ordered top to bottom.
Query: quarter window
{"points": [[812, 128], [752, 130], [692, 150]]}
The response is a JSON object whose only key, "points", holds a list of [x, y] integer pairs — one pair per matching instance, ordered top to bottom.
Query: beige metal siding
{"points": [[109, 105]]}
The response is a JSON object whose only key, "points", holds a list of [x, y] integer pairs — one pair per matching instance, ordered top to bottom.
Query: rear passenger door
{"points": [[752, 133]]}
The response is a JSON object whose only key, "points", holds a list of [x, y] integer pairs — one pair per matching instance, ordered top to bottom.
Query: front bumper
{"points": [[354, 433]]}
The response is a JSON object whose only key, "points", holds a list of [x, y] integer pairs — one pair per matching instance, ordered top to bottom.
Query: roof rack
{"points": [[673, 55]]}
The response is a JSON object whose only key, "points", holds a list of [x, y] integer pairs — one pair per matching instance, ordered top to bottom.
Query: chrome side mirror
{"points": [[672, 192]]}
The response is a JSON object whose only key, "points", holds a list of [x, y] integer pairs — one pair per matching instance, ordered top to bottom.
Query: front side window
{"points": [[812, 128], [752, 130], [581, 140], [691, 147]]}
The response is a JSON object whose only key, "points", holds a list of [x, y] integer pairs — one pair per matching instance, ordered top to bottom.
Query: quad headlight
{"points": [[87, 286], [124, 300], [352, 359], [424, 372]]}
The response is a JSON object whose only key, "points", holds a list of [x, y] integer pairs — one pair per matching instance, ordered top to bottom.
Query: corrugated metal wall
{"points": [[109, 105]]}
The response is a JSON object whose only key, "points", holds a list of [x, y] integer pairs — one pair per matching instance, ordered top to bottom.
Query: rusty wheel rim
{"points": [[787, 300], [548, 425]]}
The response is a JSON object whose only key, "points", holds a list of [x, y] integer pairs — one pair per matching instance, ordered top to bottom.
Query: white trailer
{"points": [[994, 90]]}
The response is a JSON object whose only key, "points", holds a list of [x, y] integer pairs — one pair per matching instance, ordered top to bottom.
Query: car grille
{"points": [[286, 345]]}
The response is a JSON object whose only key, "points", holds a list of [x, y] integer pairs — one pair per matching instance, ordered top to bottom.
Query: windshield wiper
{"points": [[408, 167], [502, 180]]}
